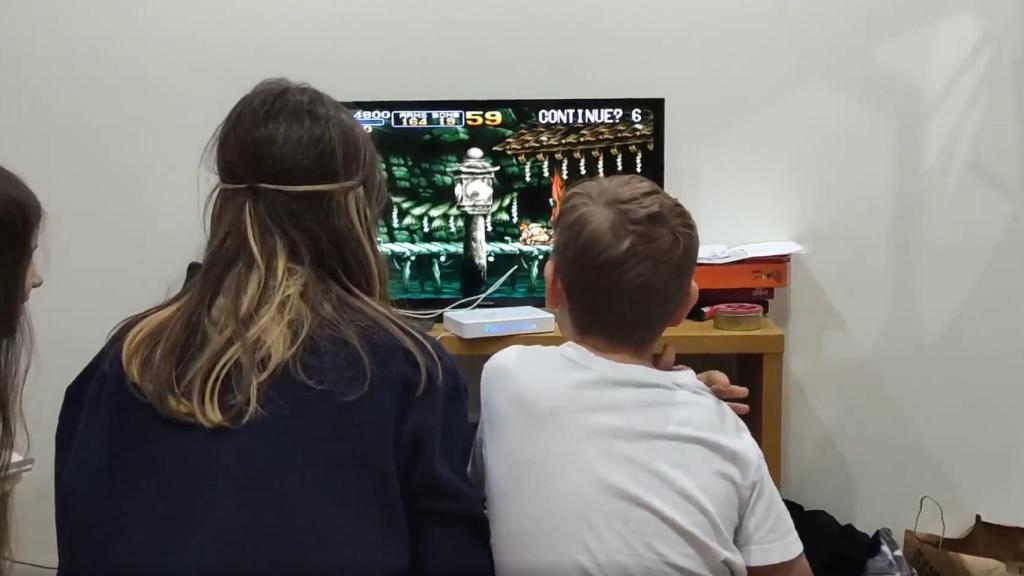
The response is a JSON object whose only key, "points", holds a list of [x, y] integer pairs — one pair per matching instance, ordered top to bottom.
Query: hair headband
{"points": [[289, 188]]}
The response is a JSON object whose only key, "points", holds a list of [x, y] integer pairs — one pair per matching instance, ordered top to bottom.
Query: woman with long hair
{"points": [[20, 218], [275, 416]]}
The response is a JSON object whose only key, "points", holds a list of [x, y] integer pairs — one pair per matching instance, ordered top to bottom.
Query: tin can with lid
{"points": [[738, 317]]}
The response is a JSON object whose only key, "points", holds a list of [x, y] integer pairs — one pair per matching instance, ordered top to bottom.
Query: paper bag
{"points": [[986, 550]]}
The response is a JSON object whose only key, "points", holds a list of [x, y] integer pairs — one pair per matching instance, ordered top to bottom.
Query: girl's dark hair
{"points": [[20, 216], [291, 256]]}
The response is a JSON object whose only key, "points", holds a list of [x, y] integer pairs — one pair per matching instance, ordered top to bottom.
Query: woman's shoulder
{"points": [[103, 363], [104, 367]]}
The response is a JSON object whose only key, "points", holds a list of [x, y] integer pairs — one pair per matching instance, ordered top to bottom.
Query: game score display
{"points": [[427, 118], [371, 119]]}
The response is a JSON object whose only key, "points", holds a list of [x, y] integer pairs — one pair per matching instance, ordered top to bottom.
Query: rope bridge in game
{"points": [[404, 254]]}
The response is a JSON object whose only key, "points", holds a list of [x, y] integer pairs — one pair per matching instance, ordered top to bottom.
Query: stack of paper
{"points": [[722, 254]]}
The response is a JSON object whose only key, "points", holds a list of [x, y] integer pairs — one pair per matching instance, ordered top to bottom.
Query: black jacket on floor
{"points": [[318, 484], [832, 549]]}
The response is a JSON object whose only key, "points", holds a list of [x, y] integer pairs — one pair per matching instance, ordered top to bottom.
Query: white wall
{"points": [[888, 135]]}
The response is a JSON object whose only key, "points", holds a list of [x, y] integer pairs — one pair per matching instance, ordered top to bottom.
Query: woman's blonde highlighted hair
{"points": [[291, 256]]}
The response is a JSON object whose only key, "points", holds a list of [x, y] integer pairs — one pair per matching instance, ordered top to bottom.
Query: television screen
{"points": [[475, 185]]}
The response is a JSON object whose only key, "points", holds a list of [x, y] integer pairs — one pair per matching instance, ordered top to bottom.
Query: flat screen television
{"points": [[475, 185]]}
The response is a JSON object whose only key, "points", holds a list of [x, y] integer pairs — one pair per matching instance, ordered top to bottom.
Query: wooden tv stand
{"points": [[758, 367]]}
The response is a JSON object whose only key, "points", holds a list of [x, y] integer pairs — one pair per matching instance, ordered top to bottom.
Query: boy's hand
{"points": [[713, 379]]}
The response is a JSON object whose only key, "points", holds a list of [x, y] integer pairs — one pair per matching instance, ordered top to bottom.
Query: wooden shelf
{"points": [[689, 338]]}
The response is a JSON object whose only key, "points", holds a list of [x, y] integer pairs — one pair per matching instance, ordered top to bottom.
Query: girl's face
{"points": [[33, 279]]}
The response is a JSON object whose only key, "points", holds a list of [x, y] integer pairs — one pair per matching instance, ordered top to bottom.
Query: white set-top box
{"points": [[486, 322]]}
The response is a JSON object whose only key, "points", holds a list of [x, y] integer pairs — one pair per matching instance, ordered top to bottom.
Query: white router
{"points": [[487, 322]]}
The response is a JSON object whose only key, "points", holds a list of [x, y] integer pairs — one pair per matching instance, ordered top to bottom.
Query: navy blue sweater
{"points": [[319, 484]]}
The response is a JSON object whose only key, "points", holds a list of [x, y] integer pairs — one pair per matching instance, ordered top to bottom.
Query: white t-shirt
{"points": [[596, 467]]}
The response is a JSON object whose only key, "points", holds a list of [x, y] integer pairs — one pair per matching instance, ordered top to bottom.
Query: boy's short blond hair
{"points": [[625, 253]]}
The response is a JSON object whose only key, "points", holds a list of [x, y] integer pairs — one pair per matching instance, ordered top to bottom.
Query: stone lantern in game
{"points": [[474, 195]]}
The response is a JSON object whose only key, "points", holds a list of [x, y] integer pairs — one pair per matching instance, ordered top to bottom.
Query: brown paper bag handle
{"points": [[942, 516]]}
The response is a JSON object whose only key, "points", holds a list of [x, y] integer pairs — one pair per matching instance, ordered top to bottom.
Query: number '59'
{"points": [[476, 118]]}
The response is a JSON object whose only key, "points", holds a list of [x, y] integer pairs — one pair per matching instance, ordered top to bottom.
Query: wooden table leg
{"points": [[762, 373], [771, 413]]}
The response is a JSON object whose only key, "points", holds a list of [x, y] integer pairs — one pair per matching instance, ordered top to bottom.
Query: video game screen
{"points": [[476, 185]]}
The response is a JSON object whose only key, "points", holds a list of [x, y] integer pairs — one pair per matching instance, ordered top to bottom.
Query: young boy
{"points": [[596, 462]]}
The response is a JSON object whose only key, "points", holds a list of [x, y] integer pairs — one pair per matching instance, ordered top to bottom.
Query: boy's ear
{"points": [[554, 294], [684, 309]]}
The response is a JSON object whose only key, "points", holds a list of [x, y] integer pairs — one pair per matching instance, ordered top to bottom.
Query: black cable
{"points": [[31, 564]]}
